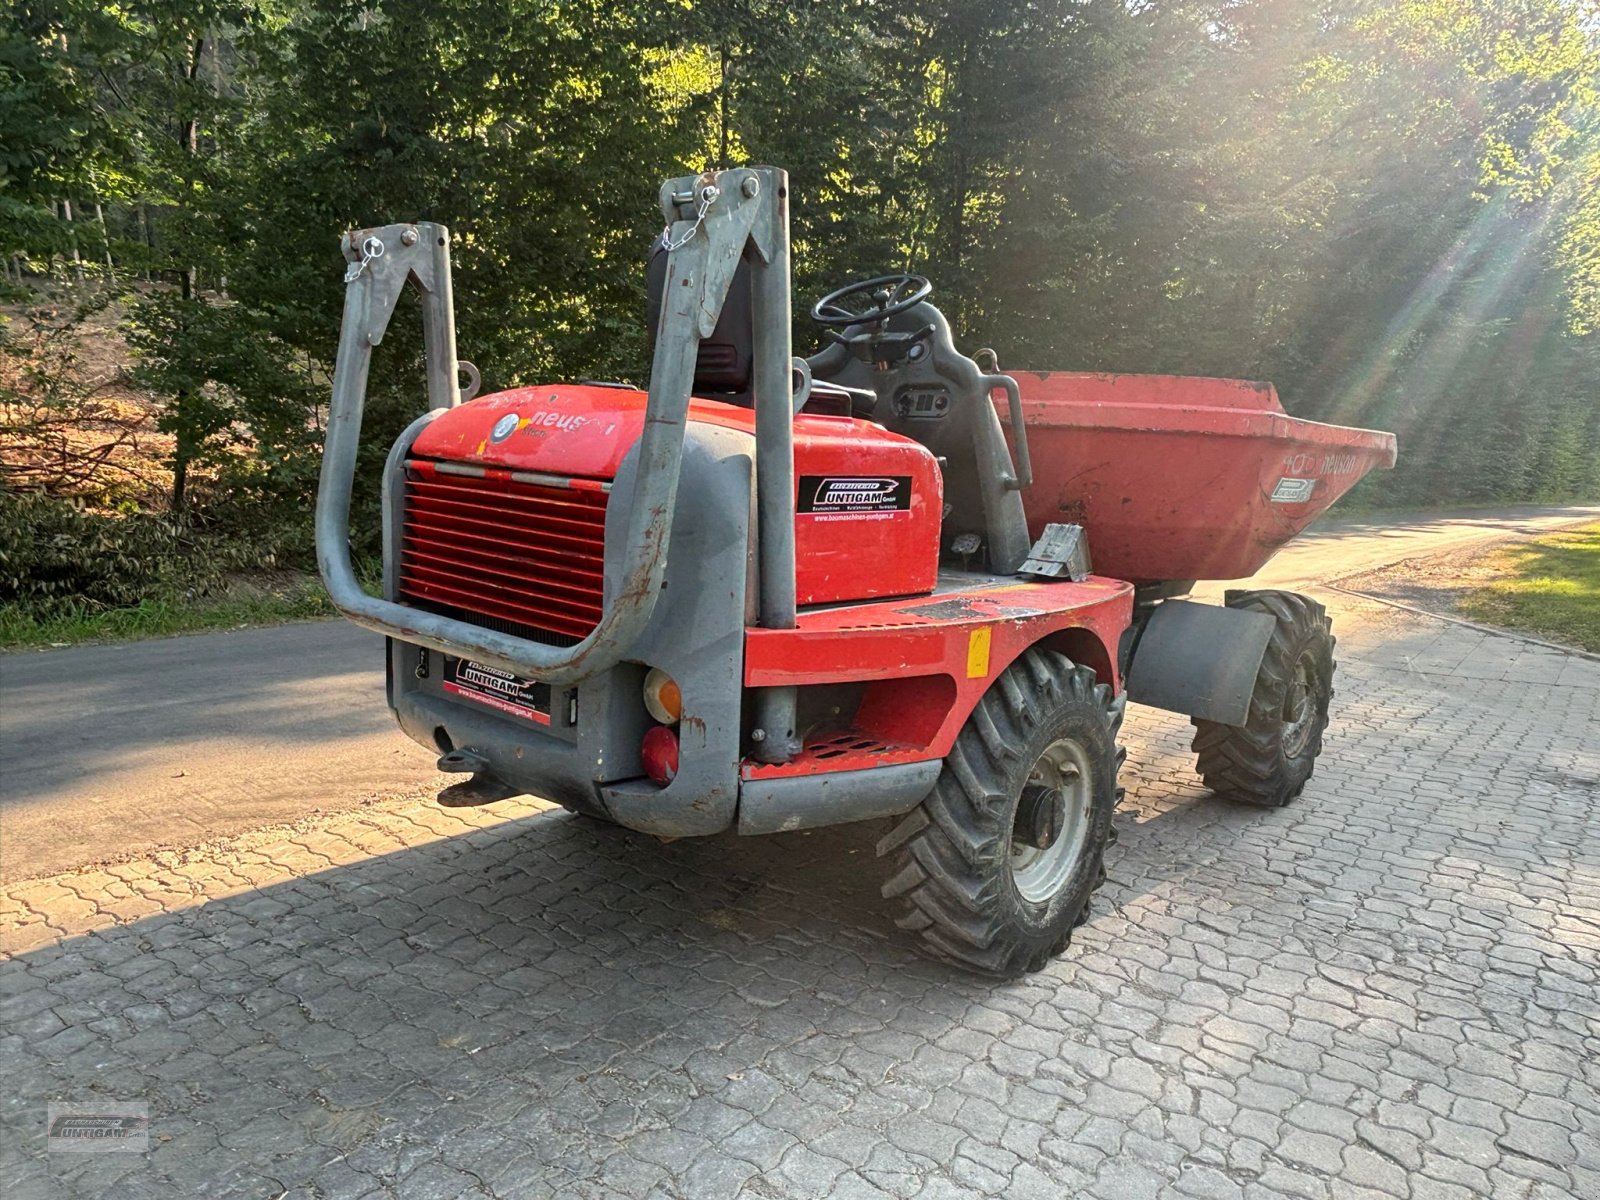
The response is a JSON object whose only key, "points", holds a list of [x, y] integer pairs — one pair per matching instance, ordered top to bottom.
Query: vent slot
{"points": [[504, 554]]}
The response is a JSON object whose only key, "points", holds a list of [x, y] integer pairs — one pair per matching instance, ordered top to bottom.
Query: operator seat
{"points": [[724, 361], [722, 368]]}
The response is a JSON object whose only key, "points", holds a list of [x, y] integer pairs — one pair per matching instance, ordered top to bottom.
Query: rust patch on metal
{"points": [[967, 606]]}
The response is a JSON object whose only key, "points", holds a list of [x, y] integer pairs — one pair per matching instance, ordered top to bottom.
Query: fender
{"points": [[1200, 660]]}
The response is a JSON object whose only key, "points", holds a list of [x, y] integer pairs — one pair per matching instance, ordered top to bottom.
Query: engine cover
{"points": [[868, 503]]}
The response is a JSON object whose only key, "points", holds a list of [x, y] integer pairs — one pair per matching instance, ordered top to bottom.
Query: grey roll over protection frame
{"points": [[713, 219]]}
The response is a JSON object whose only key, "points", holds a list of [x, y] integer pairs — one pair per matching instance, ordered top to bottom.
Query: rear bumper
{"points": [[587, 753], [540, 763], [546, 764]]}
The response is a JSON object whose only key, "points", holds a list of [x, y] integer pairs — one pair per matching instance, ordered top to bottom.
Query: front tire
{"points": [[1267, 761], [995, 868]]}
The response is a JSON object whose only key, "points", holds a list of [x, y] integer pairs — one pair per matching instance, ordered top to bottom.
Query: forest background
{"points": [[1389, 208]]}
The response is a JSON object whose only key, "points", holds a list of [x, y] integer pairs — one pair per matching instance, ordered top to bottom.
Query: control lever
{"points": [[1019, 431]]}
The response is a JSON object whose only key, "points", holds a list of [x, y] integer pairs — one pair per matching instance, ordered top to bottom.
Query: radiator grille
{"points": [[493, 550]]}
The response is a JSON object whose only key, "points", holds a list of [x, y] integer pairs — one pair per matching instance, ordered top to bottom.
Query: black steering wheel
{"points": [[888, 296]]}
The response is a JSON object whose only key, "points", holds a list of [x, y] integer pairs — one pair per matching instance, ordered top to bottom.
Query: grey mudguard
{"points": [[696, 634], [1199, 659]]}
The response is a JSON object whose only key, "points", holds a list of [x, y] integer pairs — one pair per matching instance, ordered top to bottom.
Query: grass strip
{"points": [[1549, 586], [74, 622]]}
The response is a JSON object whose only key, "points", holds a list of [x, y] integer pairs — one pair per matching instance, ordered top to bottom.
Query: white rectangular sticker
{"points": [[1293, 491], [498, 689]]}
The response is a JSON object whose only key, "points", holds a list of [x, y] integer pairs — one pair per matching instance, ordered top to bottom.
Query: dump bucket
{"points": [[1178, 477]]}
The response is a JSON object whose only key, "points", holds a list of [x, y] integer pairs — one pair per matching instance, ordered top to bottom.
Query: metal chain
{"points": [[708, 197], [370, 249]]}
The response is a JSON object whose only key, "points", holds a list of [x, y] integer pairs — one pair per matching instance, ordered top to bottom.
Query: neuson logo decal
{"points": [[554, 420], [537, 423], [850, 494]]}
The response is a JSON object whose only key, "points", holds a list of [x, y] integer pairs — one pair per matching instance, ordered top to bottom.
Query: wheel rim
{"points": [[1299, 707], [1064, 768]]}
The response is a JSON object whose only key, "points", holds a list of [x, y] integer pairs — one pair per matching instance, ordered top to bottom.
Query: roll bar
{"points": [[712, 219]]}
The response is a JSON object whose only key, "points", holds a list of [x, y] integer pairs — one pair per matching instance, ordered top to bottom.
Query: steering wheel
{"points": [[889, 295]]}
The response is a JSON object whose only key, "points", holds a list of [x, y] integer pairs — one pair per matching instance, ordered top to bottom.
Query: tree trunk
{"points": [[722, 110], [189, 140], [72, 235], [105, 236], [148, 236], [180, 476]]}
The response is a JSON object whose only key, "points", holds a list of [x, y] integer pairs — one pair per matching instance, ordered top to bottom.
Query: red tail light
{"points": [[659, 750]]}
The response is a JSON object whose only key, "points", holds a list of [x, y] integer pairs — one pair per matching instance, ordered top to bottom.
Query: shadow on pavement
{"points": [[530, 998], [526, 1006], [552, 1007]]}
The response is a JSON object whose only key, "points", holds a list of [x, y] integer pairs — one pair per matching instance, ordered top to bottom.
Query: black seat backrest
{"points": [[722, 369]]}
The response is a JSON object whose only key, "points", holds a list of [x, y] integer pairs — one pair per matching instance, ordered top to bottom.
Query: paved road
{"points": [[1350, 546], [115, 750], [107, 751], [1387, 989]]}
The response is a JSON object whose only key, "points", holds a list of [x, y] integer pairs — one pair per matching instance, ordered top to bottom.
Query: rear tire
{"points": [[1268, 760], [995, 868]]}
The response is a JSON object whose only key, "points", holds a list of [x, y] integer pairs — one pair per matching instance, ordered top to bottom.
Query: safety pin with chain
{"points": [[708, 197], [370, 249]]}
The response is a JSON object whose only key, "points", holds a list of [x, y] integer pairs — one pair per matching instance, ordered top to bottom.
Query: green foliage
{"points": [[51, 131], [1391, 208], [248, 408], [53, 551], [1551, 586], [75, 621]]}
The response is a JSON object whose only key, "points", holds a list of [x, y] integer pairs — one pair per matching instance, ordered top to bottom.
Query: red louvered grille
{"points": [[494, 550]]}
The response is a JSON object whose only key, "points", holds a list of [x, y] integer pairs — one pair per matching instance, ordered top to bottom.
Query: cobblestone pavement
{"points": [[1387, 989]]}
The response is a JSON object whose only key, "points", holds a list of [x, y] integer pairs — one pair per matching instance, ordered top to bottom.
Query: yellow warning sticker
{"points": [[978, 652]]}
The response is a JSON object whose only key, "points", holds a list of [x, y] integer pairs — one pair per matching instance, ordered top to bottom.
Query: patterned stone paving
{"points": [[1388, 989]]}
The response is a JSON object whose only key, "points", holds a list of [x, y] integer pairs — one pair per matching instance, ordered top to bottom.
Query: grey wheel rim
{"points": [[1299, 707], [1039, 874]]}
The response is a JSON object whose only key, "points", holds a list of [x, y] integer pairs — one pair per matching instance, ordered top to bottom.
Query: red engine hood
{"points": [[586, 431], [880, 539]]}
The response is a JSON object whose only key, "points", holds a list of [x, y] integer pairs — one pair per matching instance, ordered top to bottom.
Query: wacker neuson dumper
{"points": [[885, 582]]}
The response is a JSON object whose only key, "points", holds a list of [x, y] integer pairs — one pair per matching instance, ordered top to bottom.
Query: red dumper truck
{"points": [[886, 582]]}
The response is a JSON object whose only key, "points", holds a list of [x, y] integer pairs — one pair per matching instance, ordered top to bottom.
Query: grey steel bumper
{"points": [[552, 765], [811, 801]]}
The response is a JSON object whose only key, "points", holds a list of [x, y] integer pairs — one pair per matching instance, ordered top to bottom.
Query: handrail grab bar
{"points": [[708, 243]]}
